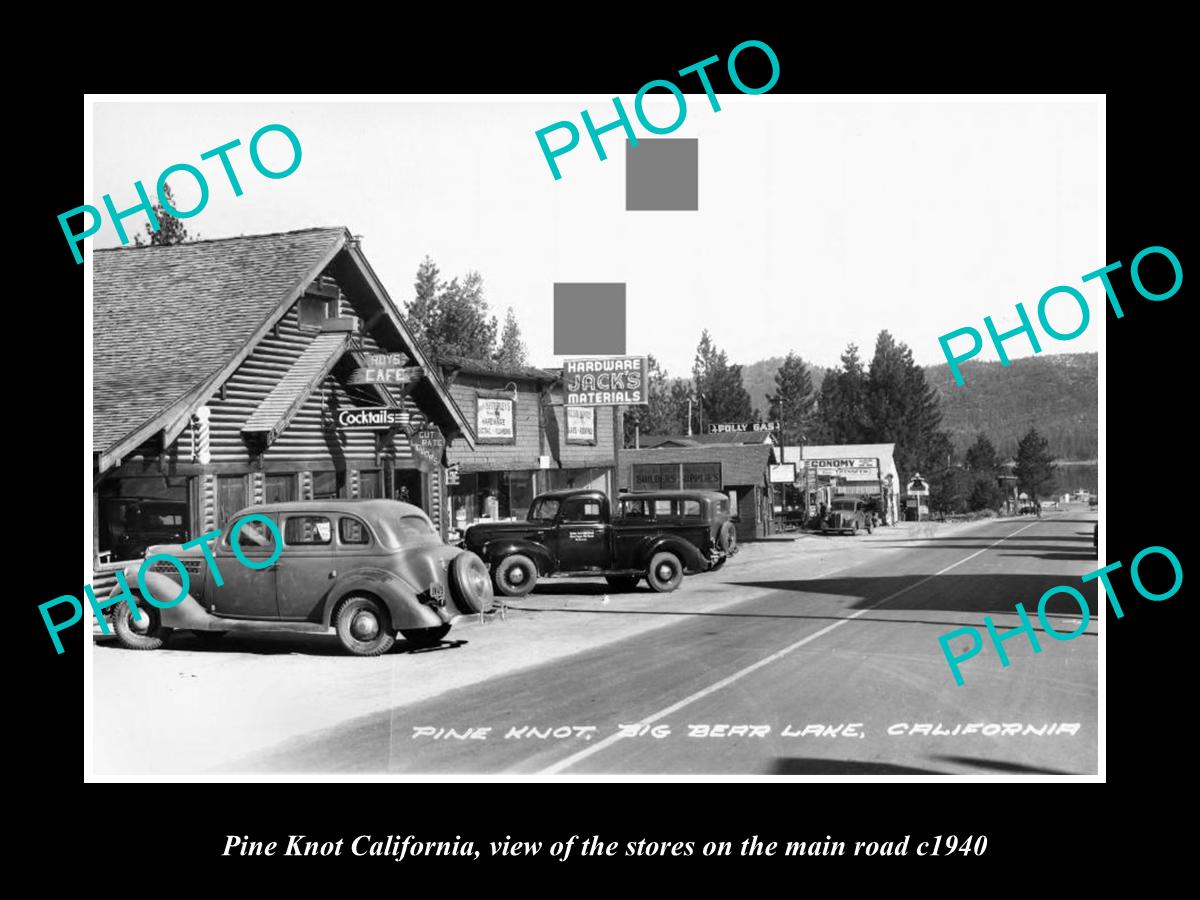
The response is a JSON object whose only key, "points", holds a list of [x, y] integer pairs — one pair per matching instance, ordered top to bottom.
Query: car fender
{"points": [[685, 550], [494, 551], [403, 603], [187, 613]]}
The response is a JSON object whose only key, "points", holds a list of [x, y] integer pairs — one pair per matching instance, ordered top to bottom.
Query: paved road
{"points": [[838, 674]]}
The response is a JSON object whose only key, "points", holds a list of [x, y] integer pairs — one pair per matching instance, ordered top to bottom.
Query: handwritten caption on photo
{"points": [[854, 730]]}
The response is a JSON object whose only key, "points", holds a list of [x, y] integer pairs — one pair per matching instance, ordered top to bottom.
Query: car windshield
{"points": [[843, 505], [545, 510], [404, 531]]}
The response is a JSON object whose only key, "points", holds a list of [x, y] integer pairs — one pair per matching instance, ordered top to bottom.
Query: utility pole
{"points": [[782, 485]]}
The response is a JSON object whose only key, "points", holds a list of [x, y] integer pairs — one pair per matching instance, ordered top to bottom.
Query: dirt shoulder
{"points": [[190, 707]]}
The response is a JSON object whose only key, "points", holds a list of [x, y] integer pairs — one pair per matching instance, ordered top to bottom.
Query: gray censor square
{"points": [[662, 174], [589, 318]]}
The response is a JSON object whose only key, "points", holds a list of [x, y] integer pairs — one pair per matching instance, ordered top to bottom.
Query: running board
{"points": [[260, 625]]}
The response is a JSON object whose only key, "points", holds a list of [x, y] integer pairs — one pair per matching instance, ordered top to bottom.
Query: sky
{"points": [[821, 222]]}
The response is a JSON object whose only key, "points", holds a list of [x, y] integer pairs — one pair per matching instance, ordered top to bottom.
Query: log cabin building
{"points": [[227, 373]]}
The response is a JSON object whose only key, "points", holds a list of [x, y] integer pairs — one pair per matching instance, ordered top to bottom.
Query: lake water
{"points": [[1071, 478]]}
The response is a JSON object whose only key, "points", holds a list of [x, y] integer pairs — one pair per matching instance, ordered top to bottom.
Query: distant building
{"points": [[717, 462], [828, 470]]}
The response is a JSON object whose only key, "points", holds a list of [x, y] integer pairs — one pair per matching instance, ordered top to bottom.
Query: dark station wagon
{"points": [[847, 514], [657, 536], [369, 569]]}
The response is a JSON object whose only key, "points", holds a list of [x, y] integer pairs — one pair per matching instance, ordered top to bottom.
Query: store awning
{"points": [[276, 411]]}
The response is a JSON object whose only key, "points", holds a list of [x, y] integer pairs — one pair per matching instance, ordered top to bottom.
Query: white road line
{"points": [[766, 661]]}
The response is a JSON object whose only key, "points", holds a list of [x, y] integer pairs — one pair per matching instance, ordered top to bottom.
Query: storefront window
{"points": [[370, 483], [328, 484], [279, 488], [520, 493], [491, 495], [231, 497], [134, 513]]}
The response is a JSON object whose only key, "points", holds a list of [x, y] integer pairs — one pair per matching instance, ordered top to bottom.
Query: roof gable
{"points": [[167, 320], [172, 323]]}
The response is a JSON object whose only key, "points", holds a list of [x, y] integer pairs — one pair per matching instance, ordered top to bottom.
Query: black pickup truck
{"points": [[657, 536]]}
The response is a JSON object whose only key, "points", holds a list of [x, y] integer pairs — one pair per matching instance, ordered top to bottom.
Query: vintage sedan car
{"points": [[846, 514], [658, 536], [368, 569]]}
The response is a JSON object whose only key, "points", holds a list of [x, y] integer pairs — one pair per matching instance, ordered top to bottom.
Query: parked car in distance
{"points": [[846, 514], [145, 522], [658, 536], [368, 569]]}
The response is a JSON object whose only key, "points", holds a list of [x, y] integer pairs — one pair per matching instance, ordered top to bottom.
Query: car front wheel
{"points": [[665, 572], [515, 576], [364, 627], [146, 633], [425, 637]]}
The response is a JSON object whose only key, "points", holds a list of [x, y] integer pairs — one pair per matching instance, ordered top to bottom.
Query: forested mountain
{"points": [[759, 379], [1056, 393]]}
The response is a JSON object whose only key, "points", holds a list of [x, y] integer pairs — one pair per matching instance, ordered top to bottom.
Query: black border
{"points": [[177, 831]]}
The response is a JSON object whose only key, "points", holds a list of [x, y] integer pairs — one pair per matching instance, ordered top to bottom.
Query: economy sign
{"points": [[607, 381], [856, 469]]}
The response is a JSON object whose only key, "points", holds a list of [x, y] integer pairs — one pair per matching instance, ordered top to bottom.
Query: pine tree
{"points": [[171, 230], [419, 313], [451, 318], [511, 352], [722, 396], [792, 402], [667, 408], [902, 408], [841, 410], [981, 456], [1035, 465], [949, 490], [986, 493]]}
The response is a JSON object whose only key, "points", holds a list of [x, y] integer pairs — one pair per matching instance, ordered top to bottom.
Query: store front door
{"points": [[410, 487]]}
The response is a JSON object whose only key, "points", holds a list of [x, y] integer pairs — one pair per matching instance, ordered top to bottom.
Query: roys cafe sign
{"points": [[385, 368], [608, 381]]}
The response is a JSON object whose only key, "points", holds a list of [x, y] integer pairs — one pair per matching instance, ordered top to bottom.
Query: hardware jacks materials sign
{"points": [[606, 381]]}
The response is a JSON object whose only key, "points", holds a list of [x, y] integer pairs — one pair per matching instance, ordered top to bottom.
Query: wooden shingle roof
{"points": [[168, 319]]}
